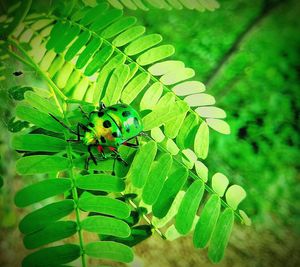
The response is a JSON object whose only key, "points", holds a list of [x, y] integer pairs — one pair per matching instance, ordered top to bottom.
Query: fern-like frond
{"points": [[199, 5], [97, 54]]}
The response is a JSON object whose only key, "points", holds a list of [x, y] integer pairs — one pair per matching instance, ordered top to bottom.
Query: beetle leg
{"points": [[83, 112], [132, 145], [91, 154], [118, 157]]}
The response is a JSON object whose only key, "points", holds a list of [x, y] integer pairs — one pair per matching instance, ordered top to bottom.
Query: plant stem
{"points": [[75, 197]]}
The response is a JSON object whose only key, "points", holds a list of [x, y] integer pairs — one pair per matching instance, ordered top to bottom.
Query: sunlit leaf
{"points": [[155, 54], [201, 143], [141, 164], [157, 175], [219, 183], [169, 191], [234, 196], [188, 207], [207, 221], [221, 236]]}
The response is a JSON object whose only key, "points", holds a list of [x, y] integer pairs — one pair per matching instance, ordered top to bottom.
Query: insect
{"points": [[108, 128]]}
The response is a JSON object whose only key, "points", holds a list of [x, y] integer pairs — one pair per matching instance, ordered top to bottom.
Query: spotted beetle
{"points": [[108, 127]]}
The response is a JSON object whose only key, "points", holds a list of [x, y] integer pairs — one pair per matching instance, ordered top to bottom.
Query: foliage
{"points": [[86, 58], [258, 87]]}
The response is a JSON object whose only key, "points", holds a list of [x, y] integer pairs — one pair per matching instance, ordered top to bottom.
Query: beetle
{"points": [[108, 127]]}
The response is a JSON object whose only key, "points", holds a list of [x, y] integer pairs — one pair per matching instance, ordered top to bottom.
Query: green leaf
{"points": [[93, 13], [104, 20], [118, 26], [57, 30], [69, 33], [128, 36], [143, 43], [77, 45], [88, 52], [155, 54], [99, 59], [164, 67], [104, 74], [177, 76], [116, 84], [134, 87], [188, 88], [17, 92], [151, 96], [197, 100], [210, 112], [163, 115], [38, 118], [219, 125], [172, 127], [187, 132], [38, 142], [201, 143], [189, 158], [41, 164], [141, 164], [201, 170], [155, 181], [101, 182], [219, 183], [42, 190], [169, 191], [234, 196], [103, 204], [188, 207], [171, 213], [44, 216], [207, 221], [106, 226], [51, 233], [221, 236], [109, 250], [53, 256]]}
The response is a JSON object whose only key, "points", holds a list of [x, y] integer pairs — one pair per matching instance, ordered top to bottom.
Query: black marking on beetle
{"points": [[123, 106], [113, 108], [126, 113], [100, 114], [136, 122], [91, 124], [107, 124], [127, 130], [114, 134], [103, 140]]}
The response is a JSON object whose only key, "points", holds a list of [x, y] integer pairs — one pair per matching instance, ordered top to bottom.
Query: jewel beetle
{"points": [[108, 127]]}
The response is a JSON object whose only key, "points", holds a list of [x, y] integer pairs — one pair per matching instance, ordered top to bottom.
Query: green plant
{"points": [[90, 54]]}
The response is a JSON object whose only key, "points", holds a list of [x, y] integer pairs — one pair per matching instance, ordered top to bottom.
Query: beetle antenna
{"points": [[62, 124]]}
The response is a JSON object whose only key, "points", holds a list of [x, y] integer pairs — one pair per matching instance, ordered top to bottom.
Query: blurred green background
{"points": [[248, 55]]}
